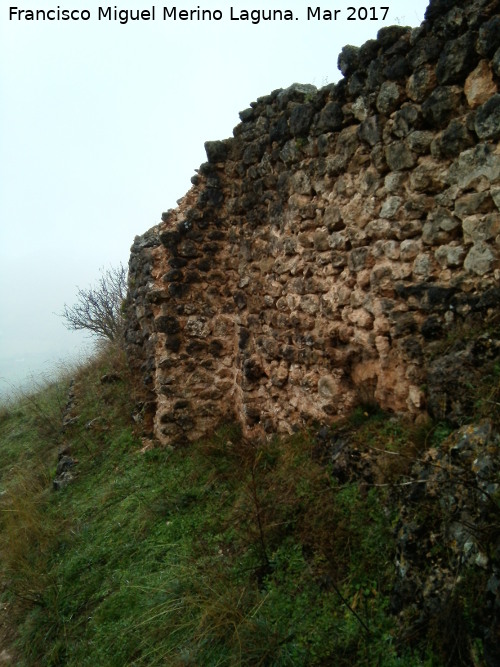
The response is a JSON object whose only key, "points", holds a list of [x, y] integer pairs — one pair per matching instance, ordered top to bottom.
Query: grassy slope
{"points": [[223, 553]]}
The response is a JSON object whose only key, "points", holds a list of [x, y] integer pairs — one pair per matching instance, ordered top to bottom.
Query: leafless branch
{"points": [[99, 309]]}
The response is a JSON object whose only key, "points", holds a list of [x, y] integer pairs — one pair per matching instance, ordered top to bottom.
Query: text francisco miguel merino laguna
{"points": [[197, 14]]}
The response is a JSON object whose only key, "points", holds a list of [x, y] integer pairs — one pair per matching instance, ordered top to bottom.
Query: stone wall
{"points": [[324, 247]]}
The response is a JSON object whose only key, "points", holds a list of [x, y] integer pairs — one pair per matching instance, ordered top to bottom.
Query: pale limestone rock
{"points": [[479, 85], [481, 227], [409, 249], [448, 255], [480, 259], [328, 387]]}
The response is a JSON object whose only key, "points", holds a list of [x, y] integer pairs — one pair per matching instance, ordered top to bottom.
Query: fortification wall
{"points": [[324, 248]]}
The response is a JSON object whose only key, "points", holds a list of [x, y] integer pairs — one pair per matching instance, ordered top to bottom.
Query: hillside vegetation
{"points": [[288, 552]]}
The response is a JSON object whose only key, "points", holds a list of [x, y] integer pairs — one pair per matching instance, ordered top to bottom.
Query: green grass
{"points": [[222, 553]]}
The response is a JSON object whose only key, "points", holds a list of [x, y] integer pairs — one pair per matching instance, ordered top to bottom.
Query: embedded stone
{"points": [[489, 37], [457, 58], [348, 59], [421, 83], [479, 85], [388, 98], [441, 104], [331, 117], [300, 119], [406, 120], [487, 123], [370, 130], [420, 141], [452, 141], [217, 151], [399, 156], [473, 165], [474, 202], [390, 207], [481, 227], [448, 255], [480, 259], [167, 324], [328, 387]]}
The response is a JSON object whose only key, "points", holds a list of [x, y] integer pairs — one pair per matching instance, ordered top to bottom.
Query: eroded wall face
{"points": [[325, 247]]}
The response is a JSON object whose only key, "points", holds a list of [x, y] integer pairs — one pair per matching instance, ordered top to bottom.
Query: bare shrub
{"points": [[99, 309]]}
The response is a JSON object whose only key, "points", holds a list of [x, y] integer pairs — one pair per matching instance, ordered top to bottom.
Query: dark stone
{"points": [[438, 8], [387, 36], [488, 40], [426, 50], [368, 52], [348, 59], [457, 59], [495, 62], [397, 68], [375, 74], [357, 83], [422, 83], [297, 92], [441, 104], [246, 115], [330, 118], [300, 119], [406, 120], [487, 123], [279, 130], [370, 130], [453, 140], [217, 151], [253, 152], [399, 156], [377, 157], [207, 169], [211, 197], [185, 227], [217, 235], [170, 238], [210, 248], [188, 249], [177, 262], [205, 264], [173, 276], [192, 277], [178, 290], [431, 297], [439, 297], [240, 299], [489, 299], [404, 323], [167, 324], [432, 328], [243, 338], [173, 343], [195, 346], [215, 348], [412, 349], [287, 352], [252, 370], [181, 404], [64, 464]]}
